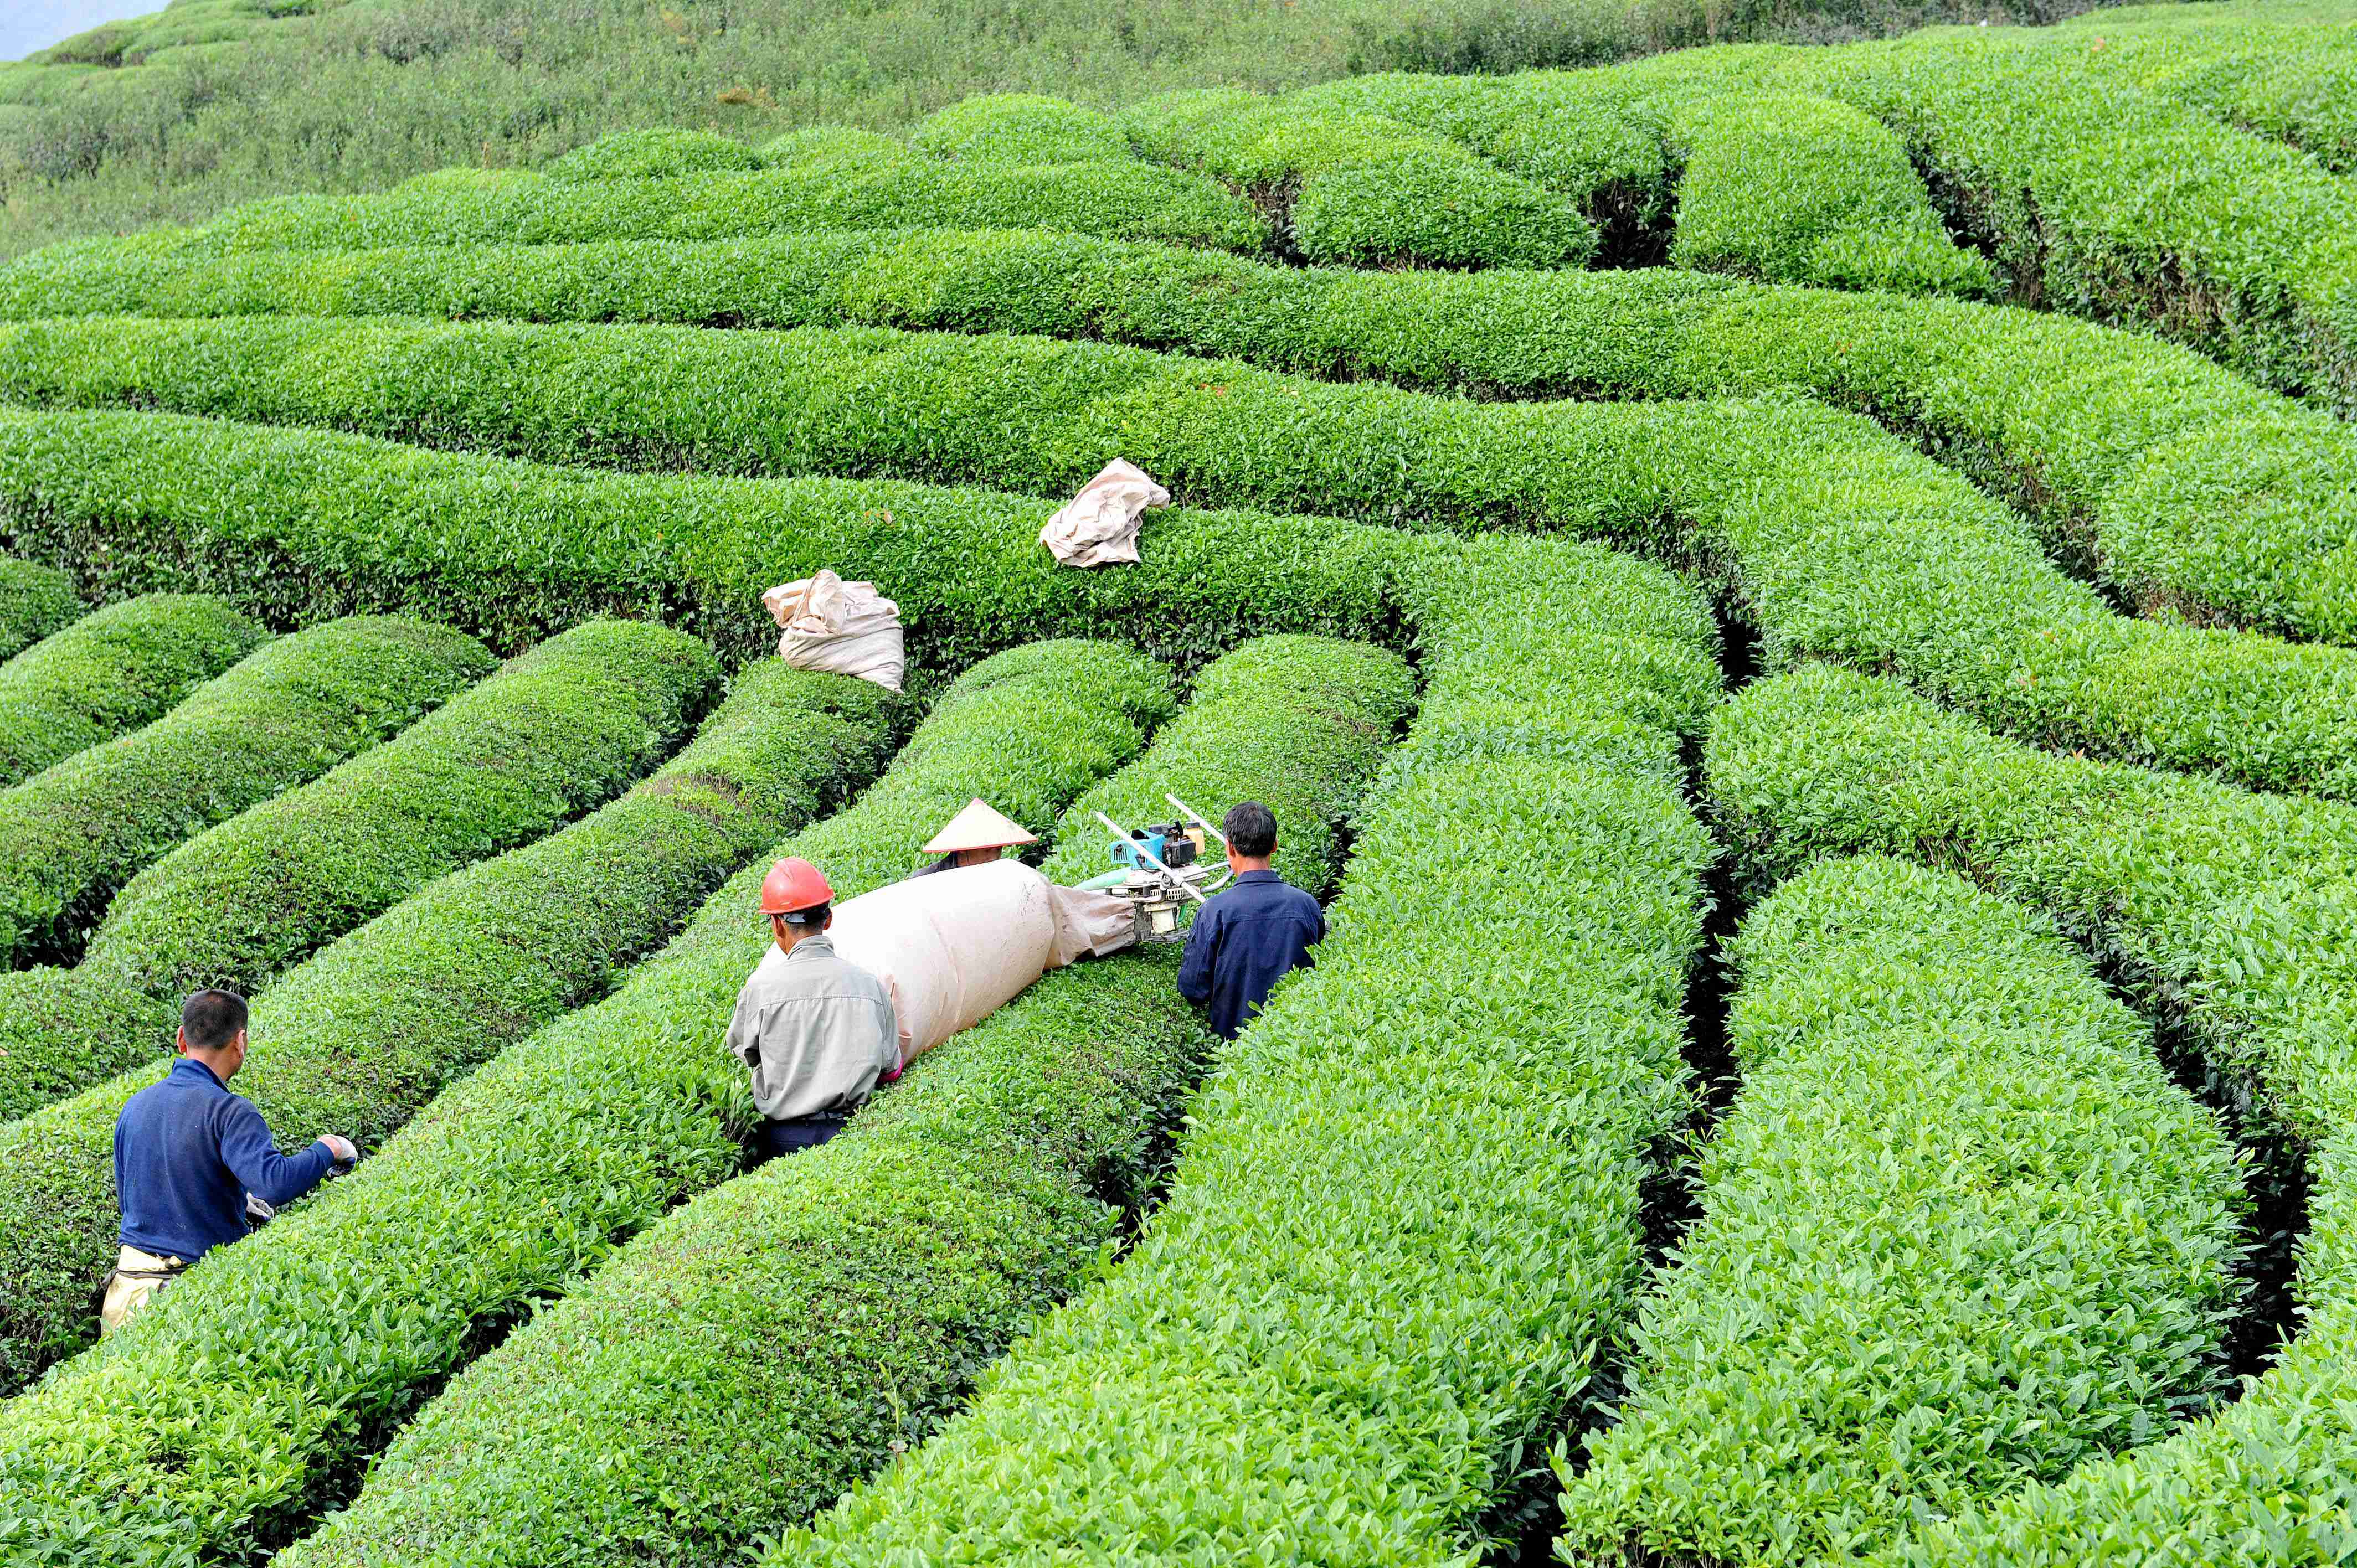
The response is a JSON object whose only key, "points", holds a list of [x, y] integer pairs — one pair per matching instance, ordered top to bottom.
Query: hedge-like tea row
{"points": [[2287, 81], [1018, 127], [652, 154], [1798, 189], [1360, 190], [2099, 196], [1131, 202], [2180, 482], [1839, 540], [517, 551], [34, 601], [109, 672], [566, 726], [72, 835], [2236, 912], [365, 1034], [1405, 1218], [1958, 1232], [752, 1355], [257, 1394]]}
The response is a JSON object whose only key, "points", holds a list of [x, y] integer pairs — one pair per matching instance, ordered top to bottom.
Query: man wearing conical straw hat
{"points": [[976, 836]]}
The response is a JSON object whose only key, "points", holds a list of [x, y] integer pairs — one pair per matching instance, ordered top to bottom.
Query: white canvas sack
{"points": [[1099, 526], [843, 628], [955, 946]]}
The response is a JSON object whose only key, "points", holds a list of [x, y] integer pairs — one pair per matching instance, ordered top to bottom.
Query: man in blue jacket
{"points": [[1251, 935], [188, 1153]]}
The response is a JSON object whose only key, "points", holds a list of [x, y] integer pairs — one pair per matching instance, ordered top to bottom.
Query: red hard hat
{"points": [[793, 885]]}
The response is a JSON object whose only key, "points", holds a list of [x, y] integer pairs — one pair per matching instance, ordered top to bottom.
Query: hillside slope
{"points": [[170, 117]]}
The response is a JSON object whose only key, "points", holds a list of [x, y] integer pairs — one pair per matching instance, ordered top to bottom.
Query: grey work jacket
{"points": [[817, 1033]]}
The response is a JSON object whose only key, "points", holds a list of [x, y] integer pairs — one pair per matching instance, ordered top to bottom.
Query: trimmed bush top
{"points": [[652, 155]]}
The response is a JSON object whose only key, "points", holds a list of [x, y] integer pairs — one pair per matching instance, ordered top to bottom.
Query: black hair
{"points": [[1250, 829], [815, 915], [210, 1019]]}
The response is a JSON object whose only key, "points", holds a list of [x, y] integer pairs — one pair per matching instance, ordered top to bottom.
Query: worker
{"points": [[976, 836], [1252, 935], [818, 1034], [193, 1161]]}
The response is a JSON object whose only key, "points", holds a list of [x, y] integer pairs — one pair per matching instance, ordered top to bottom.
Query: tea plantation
{"points": [[1798, 606]]}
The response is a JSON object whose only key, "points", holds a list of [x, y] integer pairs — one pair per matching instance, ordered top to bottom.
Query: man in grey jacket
{"points": [[817, 1033]]}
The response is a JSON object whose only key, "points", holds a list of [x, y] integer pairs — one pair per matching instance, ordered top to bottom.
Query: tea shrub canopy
{"points": [[1795, 600]]}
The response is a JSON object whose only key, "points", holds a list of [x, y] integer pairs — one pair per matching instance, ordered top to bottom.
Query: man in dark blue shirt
{"points": [[1253, 935], [187, 1153]]}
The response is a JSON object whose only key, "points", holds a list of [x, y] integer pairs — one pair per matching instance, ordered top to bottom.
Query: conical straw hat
{"points": [[978, 827]]}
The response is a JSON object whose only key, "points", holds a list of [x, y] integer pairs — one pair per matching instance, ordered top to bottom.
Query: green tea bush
{"points": [[1022, 128], [828, 146], [652, 155], [1361, 188], [1795, 189], [1130, 202], [2113, 202], [2181, 484], [1837, 540], [517, 551], [34, 601], [113, 670], [561, 729], [70, 836], [2236, 914], [362, 1036], [511, 1185], [1404, 1222], [1959, 1232], [724, 1361]]}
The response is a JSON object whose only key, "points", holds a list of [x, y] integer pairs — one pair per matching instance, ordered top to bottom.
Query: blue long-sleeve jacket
{"points": [[1242, 942], [187, 1152]]}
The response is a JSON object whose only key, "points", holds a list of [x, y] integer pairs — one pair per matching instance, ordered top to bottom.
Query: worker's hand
{"points": [[342, 1147]]}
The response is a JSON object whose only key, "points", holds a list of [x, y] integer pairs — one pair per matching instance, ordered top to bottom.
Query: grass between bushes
{"points": [[2185, 488], [1837, 540], [113, 670], [557, 731], [74, 834], [2234, 913], [362, 1036], [1404, 1223], [1958, 1232], [743, 1361], [261, 1401]]}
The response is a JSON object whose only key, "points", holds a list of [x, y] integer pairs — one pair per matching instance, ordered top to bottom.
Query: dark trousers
{"points": [[801, 1132]]}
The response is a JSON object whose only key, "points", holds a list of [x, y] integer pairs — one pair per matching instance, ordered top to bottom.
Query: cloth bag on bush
{"points": [[1099, 526], [843, 628], [955, 948]]}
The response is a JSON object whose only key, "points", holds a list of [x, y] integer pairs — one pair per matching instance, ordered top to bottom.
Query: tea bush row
{"points": [[1010, 127], [652, 153], [1791, 188], [1359, 189], [2094, 193], [1131, 202], [2181, 484], [1837, 539], [516, 551], [34, 601], [113, 670], [282, 717], [564, 727], [2236, 914], [363, 1035], [511, 1185], [1405, 1225], [1958, 1232], [756, 1352]]}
